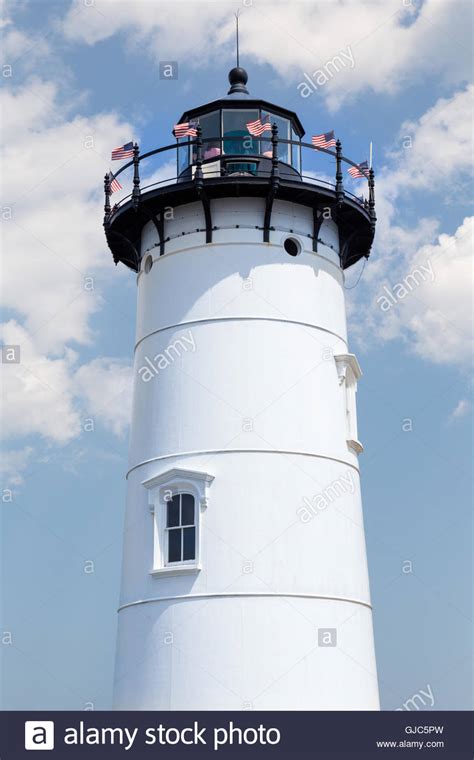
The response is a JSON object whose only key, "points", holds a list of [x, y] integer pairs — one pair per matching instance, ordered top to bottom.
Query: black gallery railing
{"points": [[273, 174]]}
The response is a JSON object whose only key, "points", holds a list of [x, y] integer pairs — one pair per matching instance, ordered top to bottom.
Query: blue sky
{"points": [[91, 69]]}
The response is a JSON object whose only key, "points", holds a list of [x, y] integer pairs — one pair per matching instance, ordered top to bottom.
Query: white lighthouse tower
{"points": [[245, 582]]}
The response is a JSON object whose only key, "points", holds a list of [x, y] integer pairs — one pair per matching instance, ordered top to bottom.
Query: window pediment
{"points": [[171, 495]]}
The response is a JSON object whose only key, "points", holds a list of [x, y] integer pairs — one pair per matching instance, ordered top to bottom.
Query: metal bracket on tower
{"points": [[199, 181], [273, 188], [206, 205], [268, 215], [318, 219], [159, 224], [160, 228], [126, 244], [345, 247]]}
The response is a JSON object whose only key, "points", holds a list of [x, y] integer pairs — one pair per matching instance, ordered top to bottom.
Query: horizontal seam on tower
{"points": [[221, 243], [239, 319], [241, 451], [223, 595]]}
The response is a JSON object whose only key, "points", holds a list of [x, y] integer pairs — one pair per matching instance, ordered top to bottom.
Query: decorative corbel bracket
{"points": [[206, 205], [318, 219], [159, 224], [344, 248], [135, 259], [343, 361]]}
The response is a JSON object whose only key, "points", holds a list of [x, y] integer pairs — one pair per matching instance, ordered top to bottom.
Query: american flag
{"points": [[257, 128], [186, 129], [326, 140], [124, 151], [359, 171], [114, 183]]}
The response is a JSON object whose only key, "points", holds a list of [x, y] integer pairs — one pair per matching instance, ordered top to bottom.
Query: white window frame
{"points": [[349, 372], [161, 488], [167, 529]]}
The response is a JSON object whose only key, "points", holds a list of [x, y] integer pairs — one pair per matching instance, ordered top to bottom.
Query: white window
{"points": [[349, 372], [177, 499], [180, 539]]}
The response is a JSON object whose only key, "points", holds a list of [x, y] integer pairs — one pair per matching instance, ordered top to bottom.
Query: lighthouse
{"points": [[244, 582]]}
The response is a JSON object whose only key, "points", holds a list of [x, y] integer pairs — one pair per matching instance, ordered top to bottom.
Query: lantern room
{"points": [[228, 146], [240, 146]]}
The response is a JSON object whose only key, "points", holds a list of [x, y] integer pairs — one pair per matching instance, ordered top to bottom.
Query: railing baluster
{"points": [[275, 169], [198, 174], [136, 176], [339, 177], [107, 196], [373, 217]]}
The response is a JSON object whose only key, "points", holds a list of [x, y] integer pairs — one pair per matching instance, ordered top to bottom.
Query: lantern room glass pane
{"points": [[210, 125], [283, 134], [237, 138], [295, 152], [183, 155]]}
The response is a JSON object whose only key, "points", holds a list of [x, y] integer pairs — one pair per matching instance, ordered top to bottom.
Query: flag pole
{"points": [[370, 156]]}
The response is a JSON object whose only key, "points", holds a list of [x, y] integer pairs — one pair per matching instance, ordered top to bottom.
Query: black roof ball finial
{"points": [[238, 79]]}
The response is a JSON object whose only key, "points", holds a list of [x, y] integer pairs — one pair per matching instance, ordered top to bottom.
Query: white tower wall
{"points": [[256, 401]]}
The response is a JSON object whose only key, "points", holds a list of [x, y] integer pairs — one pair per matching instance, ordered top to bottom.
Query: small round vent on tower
{"points": [[292, 246], [148, 264]]}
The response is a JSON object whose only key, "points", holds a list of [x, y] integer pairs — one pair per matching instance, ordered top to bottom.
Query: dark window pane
{"points": [[211, 130], [283, 134], [238, 138], [295, 151], [183, 155], [241, 168], [187, 509], [173, 512], [189, 543], [174, 545]]}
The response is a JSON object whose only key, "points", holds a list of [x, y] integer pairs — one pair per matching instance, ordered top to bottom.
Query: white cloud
{"points": [[392, 43], [16, 44], [440, 144], [435, 162], [53, 163], [54, 193], [439, 317], [433, 318], [105, 385], [37, 392], [53, 396], [460, 410], [13, 464]]}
